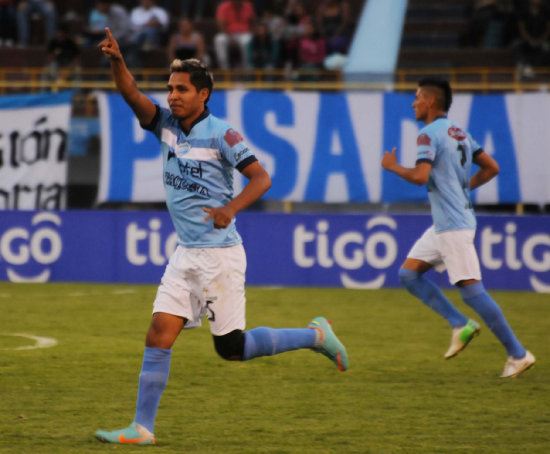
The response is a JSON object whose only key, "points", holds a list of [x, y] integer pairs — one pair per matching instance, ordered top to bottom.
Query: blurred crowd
{"points": [[523, 25], [227, 34]]}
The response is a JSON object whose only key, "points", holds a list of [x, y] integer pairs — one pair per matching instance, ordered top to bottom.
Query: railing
{"points": [[32, 80]]}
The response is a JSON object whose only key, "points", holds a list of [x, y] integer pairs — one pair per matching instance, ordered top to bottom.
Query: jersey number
{"points": [[462, 149], [211, 315]]}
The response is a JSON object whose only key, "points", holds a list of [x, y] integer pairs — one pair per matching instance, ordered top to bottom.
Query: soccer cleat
{"points": [[461, 337], [328, 344], [514, 367], [134, 434]]}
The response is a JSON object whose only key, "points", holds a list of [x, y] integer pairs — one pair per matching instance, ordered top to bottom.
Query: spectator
{"points": [[26, 9], [107, 13], [486, 15], [297, 19], [235, 20], [332, 20], [97, 21], [7, 22], [150, 23], [275, 24], [534, 31], [186, 42], [312, 49], [263, 51], [63, 54]]}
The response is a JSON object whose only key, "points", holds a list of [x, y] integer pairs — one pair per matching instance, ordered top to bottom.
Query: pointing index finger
{"points": [[109, 35]]}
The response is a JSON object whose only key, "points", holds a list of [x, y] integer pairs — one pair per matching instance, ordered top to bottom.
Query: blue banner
{"points": [[327, 147], [321, 250]]}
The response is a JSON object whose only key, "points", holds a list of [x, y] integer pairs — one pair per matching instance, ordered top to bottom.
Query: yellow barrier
{"points": [[32, 80]]}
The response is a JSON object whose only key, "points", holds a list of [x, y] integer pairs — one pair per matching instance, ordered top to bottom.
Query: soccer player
{"points": [[444, 159], [206, 273]]}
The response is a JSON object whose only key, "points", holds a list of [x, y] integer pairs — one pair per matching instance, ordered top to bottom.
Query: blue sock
{"points": [[431, 295], [477, 297], [264, 341], [152, 381]]}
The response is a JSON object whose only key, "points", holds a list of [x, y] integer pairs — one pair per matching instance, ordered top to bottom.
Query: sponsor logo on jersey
{"points": [[456, 133], [232, 137], [238, 155], [182, 184]]}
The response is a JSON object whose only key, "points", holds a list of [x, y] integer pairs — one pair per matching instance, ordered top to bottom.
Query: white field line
{"points": [[40, 342]]}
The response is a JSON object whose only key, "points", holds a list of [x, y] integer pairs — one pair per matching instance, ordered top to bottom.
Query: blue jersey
{"points": [[450, 151], [198, 173]]}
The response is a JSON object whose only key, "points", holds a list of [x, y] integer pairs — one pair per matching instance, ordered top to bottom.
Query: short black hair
{"points": [[199, 74], [443, 93]]}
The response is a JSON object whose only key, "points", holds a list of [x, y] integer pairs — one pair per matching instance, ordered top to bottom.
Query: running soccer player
{"points": [[444, 159], [206, 273]]}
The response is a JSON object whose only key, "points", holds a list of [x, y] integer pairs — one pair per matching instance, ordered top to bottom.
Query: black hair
{"points": [[199, 74], [443, 92]]}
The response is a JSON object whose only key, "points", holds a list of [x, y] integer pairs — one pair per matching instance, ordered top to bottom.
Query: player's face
{"points": [[183, 98], [420, 105]]}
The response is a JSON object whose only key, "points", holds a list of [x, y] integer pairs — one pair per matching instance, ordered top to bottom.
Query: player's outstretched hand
{"points": [[109, 46], [389, 159], [222, 216]]}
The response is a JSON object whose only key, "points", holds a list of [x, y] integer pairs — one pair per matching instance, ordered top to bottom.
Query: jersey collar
{"points": [[201, 117]]}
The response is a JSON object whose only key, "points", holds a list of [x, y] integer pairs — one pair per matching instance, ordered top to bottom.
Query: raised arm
{"points": [[142, 106], [488, 169], [417, 175], [259, 182]]}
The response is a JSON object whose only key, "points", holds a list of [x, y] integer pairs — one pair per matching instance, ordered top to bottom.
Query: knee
{"points": [[406, 275], [230, 346]]}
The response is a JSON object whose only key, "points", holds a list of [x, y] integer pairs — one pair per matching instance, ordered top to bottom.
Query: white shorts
{"points": [[453, 250], [205, 281]]}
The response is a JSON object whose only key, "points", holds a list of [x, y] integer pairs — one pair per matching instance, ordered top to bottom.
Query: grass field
{"points": [[399, 395]]}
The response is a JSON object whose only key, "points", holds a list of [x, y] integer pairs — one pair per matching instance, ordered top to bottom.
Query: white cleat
{"points": [[461, 337], [514, 367]]}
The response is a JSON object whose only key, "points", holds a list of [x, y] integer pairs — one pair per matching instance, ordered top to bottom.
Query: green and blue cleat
{"points": [[461, 337], [328, 344], [133, 434]]}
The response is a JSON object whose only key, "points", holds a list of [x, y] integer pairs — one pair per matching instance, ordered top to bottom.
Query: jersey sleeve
{"points": [[158, 120], [425, 144], [476, 147], [235, 150]]}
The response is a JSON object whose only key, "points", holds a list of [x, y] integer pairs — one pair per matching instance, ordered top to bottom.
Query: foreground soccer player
{"points": [[444, 159], [206, 273]]}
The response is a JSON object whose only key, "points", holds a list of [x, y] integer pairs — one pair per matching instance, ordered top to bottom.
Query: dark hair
{"points": [[199, 74], [443, 92]]}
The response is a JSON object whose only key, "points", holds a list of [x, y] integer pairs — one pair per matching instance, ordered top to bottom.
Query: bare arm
{"points": [[142, 106], [488, 169], [417, 175], [259, 182]]}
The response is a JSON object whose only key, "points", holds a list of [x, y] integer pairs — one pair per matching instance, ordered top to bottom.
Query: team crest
{"points": [[456, 133], [232, 137], [182, 149]]}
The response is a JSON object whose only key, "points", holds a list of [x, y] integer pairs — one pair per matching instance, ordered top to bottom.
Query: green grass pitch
{"points": [[399, 395]]}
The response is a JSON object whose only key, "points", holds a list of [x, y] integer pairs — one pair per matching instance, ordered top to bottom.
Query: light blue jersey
{"points": [[450, 151], [198, 173]]}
